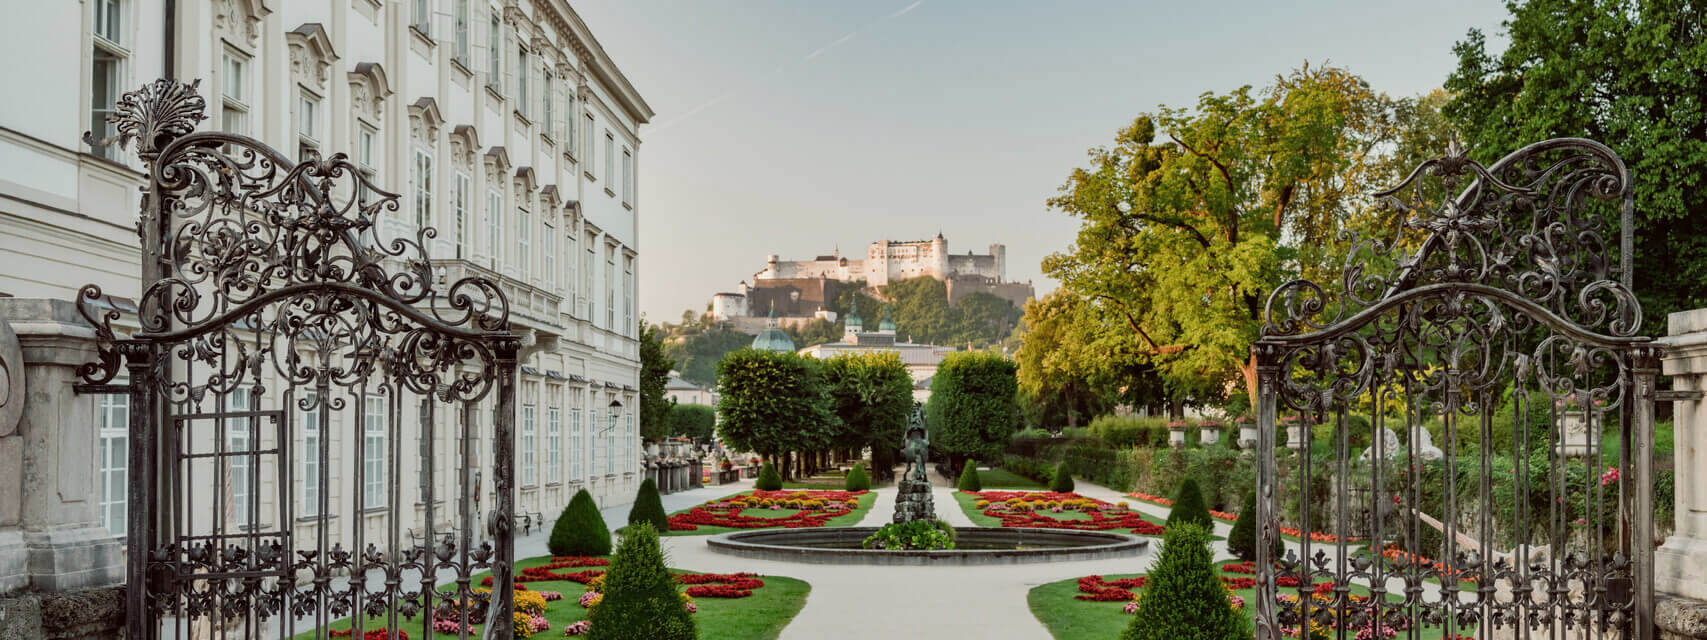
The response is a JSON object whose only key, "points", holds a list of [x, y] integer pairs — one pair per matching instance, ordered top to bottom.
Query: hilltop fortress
{"points": [[799, 290]]}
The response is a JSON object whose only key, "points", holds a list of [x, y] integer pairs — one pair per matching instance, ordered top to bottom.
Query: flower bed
{"points": [[1158, 500], [806, 509], [1034, 509]]}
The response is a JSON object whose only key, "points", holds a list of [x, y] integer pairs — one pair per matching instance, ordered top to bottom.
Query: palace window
{"points": [[421, 16], [462, 32], [495, 56], [106, 72], [522, 72], [234, 93], [548, 95], [307, 125], [367, 144], [587, 153], [610, 160], [627, 176], [463, 186], [423, 188], [494, 205], [524, 226], [548, 253], [375, 420], [239, 433], [554, 444], [610, 444], [577, 447], [628, 448], [310, 457], [115, 461], [530, 474]]}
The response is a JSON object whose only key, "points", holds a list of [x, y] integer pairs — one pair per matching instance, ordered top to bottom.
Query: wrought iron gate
{"points": [[1499, 319], [281, 342]]}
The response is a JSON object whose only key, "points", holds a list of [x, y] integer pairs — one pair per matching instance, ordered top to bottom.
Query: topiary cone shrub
{"points": [[969, 478], [769, 479], [857, 479], [1062, 482], [1188, 505], [648, 507], [580, 530], [1242, 542], [640, 597], [1183, 598]]}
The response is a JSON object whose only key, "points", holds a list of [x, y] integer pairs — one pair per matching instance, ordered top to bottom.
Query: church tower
{"points": [[854, 325]]}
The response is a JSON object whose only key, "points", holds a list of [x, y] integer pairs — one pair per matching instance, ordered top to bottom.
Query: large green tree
{"points": [[1628, 73], [1194, 215], [697, 348], [1075, 364], [654, 374], [872, 394], [773, 403], [973, 409], [694, 421]]}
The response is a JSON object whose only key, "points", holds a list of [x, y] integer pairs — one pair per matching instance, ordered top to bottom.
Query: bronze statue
{"points": [[916, 448]]}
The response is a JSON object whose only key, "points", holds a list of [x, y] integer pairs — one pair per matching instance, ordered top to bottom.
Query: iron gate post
{"points": [[1646, 365], [1268, 370], [142, 516], [502, 524]]}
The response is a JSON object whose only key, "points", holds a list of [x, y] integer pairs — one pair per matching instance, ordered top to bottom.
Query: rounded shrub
{"points": [[969, 478], [769, 479], [857, 479], [1062, 481], [1188, 506], [648, 507], [580, 530], [1183, 598], [641, 601]]}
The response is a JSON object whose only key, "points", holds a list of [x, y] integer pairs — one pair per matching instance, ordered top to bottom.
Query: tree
{"points": [[1627, 74], [1182, 239], [920, 308], [699, 347], [1076, 364], [654, 374], [872, 394], [773, 403], [973, 409], [696, 421], [769, 479], [857, 480], [1062, 480], [1188, 506], [648, 507], [580, 530], [1242, 542], [1183, 598], [641, 601]]}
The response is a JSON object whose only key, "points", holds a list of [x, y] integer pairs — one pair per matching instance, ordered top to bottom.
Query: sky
{"points": [[801, 127]]}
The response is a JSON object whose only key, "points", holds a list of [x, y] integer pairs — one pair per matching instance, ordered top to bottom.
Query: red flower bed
{"points": [[1150, 498], [728, 513], [1102, 518], [1249, 568], [545, 573], [1237, 584], [720, 585], [1098, 589], [374, 634]]}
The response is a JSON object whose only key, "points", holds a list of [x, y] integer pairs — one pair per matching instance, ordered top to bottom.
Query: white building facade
{"points": [[502, 124]]}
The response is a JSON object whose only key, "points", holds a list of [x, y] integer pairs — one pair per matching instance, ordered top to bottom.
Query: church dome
{"points": [[887, 325], [773, 339]]}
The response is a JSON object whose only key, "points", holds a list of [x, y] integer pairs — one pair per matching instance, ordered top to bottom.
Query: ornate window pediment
{"points": [[240, 20], [311, 55], [368, 90], [424, 120], [464, 141], [497, 165], [525, 180], [548, 197]]}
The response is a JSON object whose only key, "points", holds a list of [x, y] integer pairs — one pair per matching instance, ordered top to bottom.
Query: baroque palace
{"points": [[502, 123]]}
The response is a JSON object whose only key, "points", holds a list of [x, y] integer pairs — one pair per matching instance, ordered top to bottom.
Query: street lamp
{"points": [[615, 406]]}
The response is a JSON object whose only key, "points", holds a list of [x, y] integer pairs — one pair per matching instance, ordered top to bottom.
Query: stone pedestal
{"points": [[1208, 435], [1248, 436], [1176, 437], [1294, 437], [1576, 441], [914, 501], [50, 534], [1682, 560]]}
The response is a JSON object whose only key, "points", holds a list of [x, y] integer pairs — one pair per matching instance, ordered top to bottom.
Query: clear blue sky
{"points": [[795, 127]]}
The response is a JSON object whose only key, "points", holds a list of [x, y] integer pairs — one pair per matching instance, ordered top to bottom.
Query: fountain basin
{"points": [[974, 546]]}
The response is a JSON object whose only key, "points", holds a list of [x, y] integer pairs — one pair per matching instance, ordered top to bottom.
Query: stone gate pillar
{"points": [[1681, 563]]}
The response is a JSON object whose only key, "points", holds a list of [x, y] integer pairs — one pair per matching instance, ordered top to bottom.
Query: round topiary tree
{"points": [[969, 478], [769, 479], [857, 479], [1063, 480], [1188, 506], [648, 507], [580, 529], [1183, 598], [641, 601]]}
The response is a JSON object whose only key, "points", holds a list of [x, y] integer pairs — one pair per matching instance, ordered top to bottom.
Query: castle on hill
{"points": [[800, 290]]}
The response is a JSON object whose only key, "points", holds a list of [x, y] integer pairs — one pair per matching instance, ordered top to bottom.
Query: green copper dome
{"points": [[853, 321], [887, 324], [772, 338]]}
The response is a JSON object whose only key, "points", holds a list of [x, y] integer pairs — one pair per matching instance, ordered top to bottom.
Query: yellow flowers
{"points": [[530, 601]]}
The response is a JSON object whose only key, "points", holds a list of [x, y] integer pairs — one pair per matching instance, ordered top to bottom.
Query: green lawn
{"points": [[1004, 479], [968, 504], [845, 520], [761, 615], [1068, 618]]}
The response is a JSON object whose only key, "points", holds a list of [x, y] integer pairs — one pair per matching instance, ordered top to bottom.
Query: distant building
{"points": [[803, 291], [772, 338], [921, 359], [682, 391]]}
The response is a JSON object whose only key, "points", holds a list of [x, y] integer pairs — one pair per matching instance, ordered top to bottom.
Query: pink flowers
{"points": [[1609, 477], [591, 599], [1131, 607], [692, 608], [539, 623], [447, 625], [577, 627]]}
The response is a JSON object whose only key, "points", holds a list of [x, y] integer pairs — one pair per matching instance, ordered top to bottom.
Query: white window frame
{"points": [[421, 17], [462, 25], [107, 45], [495, 56], [234, 91], [548, 93], [523, 106], [307, 122], [588, 125], [367, 146], [610, 160], [627, 176], [423, 181], [464, 184], [494, 224], [524, 247], [548, 255], [610, 289], [628, 326], [375, 418], [311, 434], [240, 437], [554, 444], [577, 445], [610, 445], [628, 448], [530, 470], [114, 474]]}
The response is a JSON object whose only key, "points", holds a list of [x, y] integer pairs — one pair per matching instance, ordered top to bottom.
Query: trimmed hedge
{"points": [[969, 478], [769, 479], [857, 479], [1062, 480], [648, 507], [580, 530], [1184, 598], [641, 600]]}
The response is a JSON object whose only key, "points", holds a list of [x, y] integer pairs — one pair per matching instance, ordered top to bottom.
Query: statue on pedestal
{"points": [[913, 500]]}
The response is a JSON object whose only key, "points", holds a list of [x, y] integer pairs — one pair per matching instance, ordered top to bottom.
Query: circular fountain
{"points": [[973, 546]]}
